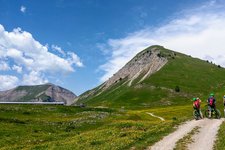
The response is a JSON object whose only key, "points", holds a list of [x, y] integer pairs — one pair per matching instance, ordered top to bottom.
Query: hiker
{"points": [[224, 101], [211, 103], [224, 104], [196, 105]]}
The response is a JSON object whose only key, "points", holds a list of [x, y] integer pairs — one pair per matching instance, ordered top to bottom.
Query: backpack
{"points": [[211, 101], [197, 104]]}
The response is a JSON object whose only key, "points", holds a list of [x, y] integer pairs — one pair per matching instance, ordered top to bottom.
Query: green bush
{"points": [[177, 89]]}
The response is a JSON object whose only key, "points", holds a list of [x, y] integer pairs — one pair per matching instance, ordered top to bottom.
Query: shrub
{"points": [[159, 55], [177, 89], [174, 118]]}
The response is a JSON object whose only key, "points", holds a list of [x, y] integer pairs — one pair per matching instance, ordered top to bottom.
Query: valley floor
{"points": [[68, 127]]}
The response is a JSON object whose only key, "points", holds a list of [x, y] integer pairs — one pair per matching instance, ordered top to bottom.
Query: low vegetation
{"points": [[60, 127], [220, 142]]}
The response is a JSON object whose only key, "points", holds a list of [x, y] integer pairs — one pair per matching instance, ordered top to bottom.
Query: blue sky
{"points": [[80, 44]]}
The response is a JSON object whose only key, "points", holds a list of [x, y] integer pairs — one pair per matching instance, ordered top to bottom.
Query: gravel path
{"points": [[207, 135], [205, 138]]}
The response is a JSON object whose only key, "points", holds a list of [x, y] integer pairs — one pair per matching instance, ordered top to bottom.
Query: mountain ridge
{"points": [[174, 81], [38, 93]]}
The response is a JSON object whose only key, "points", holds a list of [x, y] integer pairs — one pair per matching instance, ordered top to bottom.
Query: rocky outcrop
{"points": [[141, 66], [38, 93], [58, 93]]}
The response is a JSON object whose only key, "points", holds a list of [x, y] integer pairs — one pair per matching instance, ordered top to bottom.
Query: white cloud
{"points": [[23, 9], [199, 32], [58, 49], [25, 50], [18, 57], [30, 57], [74, 59], [4, 66], [18, 69], [34, 78], [8, 82]]}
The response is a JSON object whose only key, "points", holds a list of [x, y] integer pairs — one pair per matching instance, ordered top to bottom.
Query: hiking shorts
{"points": [[211, 107], [196, 108]]}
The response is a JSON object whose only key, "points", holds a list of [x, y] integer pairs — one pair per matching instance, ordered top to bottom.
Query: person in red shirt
{"points": [[224, 104], [197, 106]]}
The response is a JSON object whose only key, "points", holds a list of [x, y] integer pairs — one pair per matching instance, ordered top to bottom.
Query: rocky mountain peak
{"points": [[142, 65]]}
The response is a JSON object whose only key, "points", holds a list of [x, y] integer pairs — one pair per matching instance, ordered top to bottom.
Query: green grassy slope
{"points": [[194, 77], [33, 91]]}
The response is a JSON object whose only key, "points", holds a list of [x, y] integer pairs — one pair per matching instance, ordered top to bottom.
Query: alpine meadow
{"points": [[112, 75], [140, 104]]}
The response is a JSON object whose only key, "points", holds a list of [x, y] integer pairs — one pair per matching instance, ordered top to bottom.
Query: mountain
{"points": [[157, 77], [38, 93]]}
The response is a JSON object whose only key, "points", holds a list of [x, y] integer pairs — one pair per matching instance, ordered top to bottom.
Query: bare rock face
{"points": [[143, 65], [38, 93], [60, 94], [11, 95]]}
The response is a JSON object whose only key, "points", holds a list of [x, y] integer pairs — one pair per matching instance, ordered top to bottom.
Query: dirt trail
{"points": [[161, 118], [207, 135], [205, 138]]}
